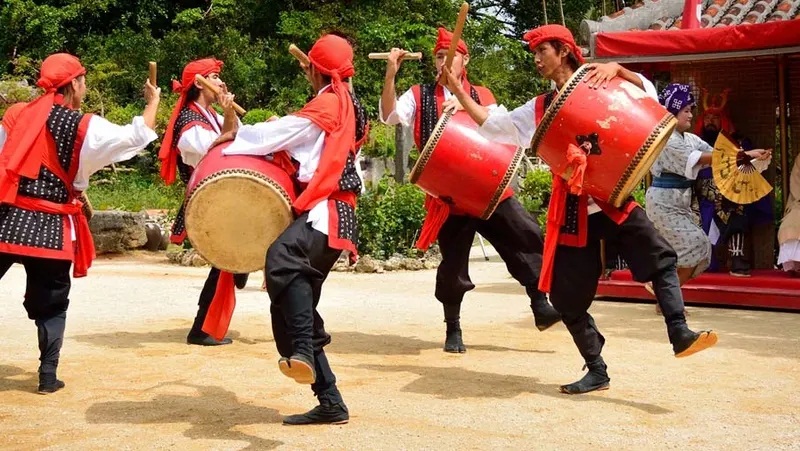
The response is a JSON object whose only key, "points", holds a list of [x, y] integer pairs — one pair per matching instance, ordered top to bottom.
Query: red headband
{"points": [[553, 33], [444, 40]]}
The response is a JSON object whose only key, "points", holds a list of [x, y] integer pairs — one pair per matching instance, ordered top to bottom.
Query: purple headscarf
{"points": [[676, 97]]}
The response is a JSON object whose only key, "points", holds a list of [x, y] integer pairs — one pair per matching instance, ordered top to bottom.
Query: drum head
{"points": [[233, 217]]}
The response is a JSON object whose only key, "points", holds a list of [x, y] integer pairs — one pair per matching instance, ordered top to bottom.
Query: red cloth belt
{"points": [[556, 211], [84, 247]]}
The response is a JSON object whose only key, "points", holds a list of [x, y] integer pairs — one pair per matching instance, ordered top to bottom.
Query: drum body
{"points": [[621, 128], [463, 168], [236, 207]]}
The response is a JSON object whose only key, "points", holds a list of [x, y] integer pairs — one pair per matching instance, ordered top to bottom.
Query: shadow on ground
{"points": [[134, 340], [384, 344], [455, 383], [213, 414]]}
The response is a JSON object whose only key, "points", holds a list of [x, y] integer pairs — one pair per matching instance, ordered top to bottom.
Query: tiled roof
{"points": [[720, 13], [667, 15]]}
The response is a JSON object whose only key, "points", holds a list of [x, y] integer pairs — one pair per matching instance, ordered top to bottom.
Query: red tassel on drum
{"points": [[576, 159], [437, 214], [220, 312]]}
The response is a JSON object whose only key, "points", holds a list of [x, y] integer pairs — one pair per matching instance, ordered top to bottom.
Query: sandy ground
{"points": [[133, 383]]}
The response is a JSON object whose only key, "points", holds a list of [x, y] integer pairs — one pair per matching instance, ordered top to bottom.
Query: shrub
{"points": [[257, 115], [380, 143], [133, 191], [534, 193], [389, 218]]}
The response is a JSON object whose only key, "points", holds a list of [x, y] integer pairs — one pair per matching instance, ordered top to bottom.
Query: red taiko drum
{"points": [[620, 127], [463, 168], [237, 206]]}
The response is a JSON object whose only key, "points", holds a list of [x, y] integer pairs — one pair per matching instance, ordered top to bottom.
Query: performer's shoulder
{"points": [[485, 94]]}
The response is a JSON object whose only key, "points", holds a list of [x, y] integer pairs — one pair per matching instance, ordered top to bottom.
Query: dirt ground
{"points": [[133, 383]]}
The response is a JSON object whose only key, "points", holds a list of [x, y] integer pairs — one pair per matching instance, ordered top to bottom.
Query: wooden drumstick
{"points": [[462, 19], [300, 55], [407, 56], [153, 72], [207, 84]]}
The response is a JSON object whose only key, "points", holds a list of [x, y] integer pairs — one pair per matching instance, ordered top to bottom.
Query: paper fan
{"points": [[738, 177]]}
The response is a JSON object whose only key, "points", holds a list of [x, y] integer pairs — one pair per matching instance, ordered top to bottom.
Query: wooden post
{"points": [[784, 135], [400, 153]]}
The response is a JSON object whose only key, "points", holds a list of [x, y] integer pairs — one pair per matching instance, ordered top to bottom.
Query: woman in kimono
{"points": [[669, 198]]}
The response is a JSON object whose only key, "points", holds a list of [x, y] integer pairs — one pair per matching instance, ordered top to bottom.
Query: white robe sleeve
{"points": [[649, 88], [404, 110], [516, 127], [299, 136], [107, 143], [195, 143], [693, 167]]}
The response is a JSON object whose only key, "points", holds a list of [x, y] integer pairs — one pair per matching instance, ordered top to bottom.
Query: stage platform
{"points": [[771, 289]]}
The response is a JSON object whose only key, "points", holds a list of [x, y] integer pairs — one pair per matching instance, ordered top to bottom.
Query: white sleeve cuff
{"points": [[692, 165]]}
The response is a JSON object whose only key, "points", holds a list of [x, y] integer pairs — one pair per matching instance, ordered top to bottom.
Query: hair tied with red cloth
{"points": [[553, 32]]}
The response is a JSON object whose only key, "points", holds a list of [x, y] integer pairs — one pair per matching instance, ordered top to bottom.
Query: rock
{"points": [[118, 231], [154, 236], [164, 244], [175, 254], [197, 261], [395, 263], [431, 263], [367, 264], [412, 264], [343, 265]]}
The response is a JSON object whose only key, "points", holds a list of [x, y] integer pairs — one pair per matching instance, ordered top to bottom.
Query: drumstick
{"points": [[462, 18], [300, 55], [407, 56], [153, 71], [207, 84]]}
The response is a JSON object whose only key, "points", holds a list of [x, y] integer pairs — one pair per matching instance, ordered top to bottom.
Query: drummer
{"points": [[193, 129], [321, 140], [576, 223], [513, 232]]}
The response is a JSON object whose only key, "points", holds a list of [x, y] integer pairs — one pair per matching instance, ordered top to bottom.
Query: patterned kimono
{"points": [[669, 200]]}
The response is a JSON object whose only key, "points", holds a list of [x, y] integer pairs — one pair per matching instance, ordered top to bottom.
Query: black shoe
{"points": [[739, 267], [240, 280], [545, 316], [207, 341], [453, 342], [686, 342], [298, 367], [596, 379], [47, 388], [324, 413]]}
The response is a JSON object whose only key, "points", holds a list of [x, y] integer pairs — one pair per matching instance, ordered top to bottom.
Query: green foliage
{"points": [[257, 115], [380, 143], [133, 191], [534, 193], [389, 218]]}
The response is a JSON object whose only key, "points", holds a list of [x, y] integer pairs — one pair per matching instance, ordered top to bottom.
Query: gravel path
{"points": [[133, 383]]}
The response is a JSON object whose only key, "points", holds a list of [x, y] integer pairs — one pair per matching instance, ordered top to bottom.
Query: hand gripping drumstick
{"points": [[451, 52], [407, 56], [153, 71], [206, 84]]}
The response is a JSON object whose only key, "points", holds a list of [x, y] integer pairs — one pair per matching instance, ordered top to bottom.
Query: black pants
{"points": [[512, 231], [298, 263], [576, 272], [206, 296], [46, 301]]}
